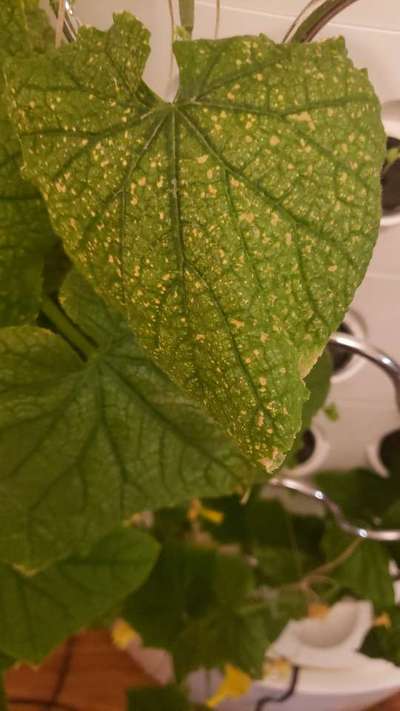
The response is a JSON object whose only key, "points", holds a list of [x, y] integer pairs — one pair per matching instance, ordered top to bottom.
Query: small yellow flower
{"points": [[197, 510], [383, 620], [123, 634], [235, 684]]}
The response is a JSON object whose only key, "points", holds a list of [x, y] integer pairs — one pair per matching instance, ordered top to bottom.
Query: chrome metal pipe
{"points": [[313, 18], [72, 23], [392, 370]]}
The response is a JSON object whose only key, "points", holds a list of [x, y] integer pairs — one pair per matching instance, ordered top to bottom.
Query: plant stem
{"points": [[186, 11], [217, 17], [172, 21], [60, 22], [66, 327], [333, 564]]}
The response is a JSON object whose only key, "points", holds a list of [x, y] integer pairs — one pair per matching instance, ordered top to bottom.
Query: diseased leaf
{"points": [[231, 227], [25, 232], [84, 445], [365, 572], [39, 611], [383, 641], [166, 698]]}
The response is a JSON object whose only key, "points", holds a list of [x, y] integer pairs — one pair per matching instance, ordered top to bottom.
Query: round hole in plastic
{"points": [[340, 357], [307, 449], [389, 451]]}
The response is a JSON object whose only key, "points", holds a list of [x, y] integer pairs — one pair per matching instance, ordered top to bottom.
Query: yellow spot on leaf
{"points": [[236, 323]]}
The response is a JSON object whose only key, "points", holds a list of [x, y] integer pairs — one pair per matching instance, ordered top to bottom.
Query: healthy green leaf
{"points": [[231, 227], [25, 232], [318, 384], [84, 445], [363, 495], [266, 523], [280, 565], [365, 572], [185, 575], [38, 612], [207, 615], [237, 635], [384, 642], [166, 698]]}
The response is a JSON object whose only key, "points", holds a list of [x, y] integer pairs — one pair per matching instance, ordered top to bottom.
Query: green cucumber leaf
{"points": [[232, 226], [25, 232], [318, 384], [84, 445], [363, 495], [266, 523], [280, 565], [365, 572], [186, 576], [40, 611], [207, 614], [236, 635], [384, 642], [165, 698]]}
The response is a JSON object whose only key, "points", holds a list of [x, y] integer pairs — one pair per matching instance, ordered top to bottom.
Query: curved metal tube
{"points": [[313, 18], [310, 21], [72, 23], [379, 358], [392, 370]]}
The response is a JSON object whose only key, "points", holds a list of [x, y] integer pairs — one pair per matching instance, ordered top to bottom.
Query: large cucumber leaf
{"points": [[231, 226], [25, 232], [85, 444], [38, 612]]}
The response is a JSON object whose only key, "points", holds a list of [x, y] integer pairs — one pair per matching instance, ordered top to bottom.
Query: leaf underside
{"points": [[232, 226], [25, 232], [84, 445], [38, 612]]}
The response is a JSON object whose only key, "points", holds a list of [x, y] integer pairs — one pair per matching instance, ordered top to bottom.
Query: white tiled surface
{"points": [[372, 32]]}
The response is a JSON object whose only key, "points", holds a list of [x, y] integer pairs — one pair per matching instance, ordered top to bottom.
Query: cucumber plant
{"points": [[170, 274]]}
